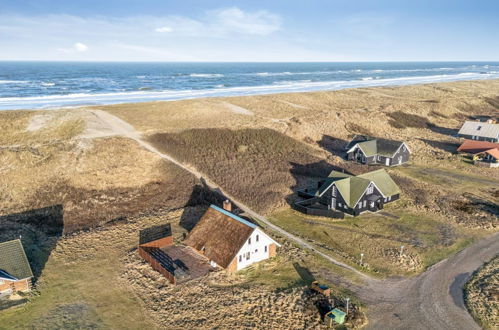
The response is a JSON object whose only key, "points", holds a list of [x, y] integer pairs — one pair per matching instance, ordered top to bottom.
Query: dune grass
{"points": [[256, 165], [426, 239]]}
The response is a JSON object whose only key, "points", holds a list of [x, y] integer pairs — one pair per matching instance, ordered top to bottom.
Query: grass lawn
{"points": [[426, 239]]}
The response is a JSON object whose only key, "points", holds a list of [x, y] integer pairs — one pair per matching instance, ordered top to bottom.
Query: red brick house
{"points": [[15, 271]]}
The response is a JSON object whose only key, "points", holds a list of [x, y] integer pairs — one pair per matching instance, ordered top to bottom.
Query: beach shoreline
{"points": [[56, 86]]}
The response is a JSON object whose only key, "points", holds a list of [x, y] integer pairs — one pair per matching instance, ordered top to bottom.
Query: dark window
{"points": [[478, 128], [257, 238], [249, 240], [265, 248], [247, 256], [240, 258]]}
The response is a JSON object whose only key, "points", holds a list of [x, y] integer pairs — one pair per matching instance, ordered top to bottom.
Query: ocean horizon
{"points": [[46, 85]]}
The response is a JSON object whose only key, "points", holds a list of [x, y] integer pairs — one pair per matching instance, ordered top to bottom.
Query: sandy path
{"points": [[117, 126], [432, 300]]}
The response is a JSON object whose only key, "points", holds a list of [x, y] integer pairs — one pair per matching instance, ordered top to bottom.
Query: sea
{"points": [[49, 85]]}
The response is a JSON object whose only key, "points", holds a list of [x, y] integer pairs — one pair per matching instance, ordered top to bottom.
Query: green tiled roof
{"points": [[383, 181], [352, 188], [13, 260]]}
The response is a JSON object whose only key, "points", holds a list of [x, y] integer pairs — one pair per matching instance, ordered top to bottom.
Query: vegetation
{"points": [[256, 165], [426, 240], [481, 295]]}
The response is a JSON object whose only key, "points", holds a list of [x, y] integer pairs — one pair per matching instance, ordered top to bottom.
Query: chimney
{"points": [[227, 205]]}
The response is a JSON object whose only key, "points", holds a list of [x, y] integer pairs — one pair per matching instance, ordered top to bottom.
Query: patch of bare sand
{"points": [[237, 109]]}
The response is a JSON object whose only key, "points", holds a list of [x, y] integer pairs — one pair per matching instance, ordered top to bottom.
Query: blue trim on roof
{"points": [[233, 216], [7, 276]]}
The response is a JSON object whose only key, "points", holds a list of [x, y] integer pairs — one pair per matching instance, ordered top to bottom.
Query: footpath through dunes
{"points": [[120, 127], [432, 300]]}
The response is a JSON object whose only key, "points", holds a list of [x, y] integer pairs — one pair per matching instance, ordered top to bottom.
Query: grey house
{"points": [[476, 130], [371, 151], [344, 193]]}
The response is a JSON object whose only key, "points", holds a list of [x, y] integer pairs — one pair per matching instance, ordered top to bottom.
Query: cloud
{"points": [[236, 20], [163, 29], [77, 48]]}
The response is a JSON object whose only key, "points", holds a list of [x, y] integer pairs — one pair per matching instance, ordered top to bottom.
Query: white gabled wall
{"points": [[255, 249]]}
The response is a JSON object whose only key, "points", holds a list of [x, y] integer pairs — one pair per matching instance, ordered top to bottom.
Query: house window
{"points": [[478, 128], [403, 147], [370, 190], [334, 191], [365, 203], [257, 237], [249, 240], [265, 248], [256, 250], [247, 256], [240, 258]]}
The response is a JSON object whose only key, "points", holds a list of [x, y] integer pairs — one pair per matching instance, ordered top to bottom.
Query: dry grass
{"points": [[56, 126], [253, 164], [94, 181], [95, 279], [482, 295]]}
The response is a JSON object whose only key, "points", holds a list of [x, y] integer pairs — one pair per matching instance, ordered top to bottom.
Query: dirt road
{"points": [[432, 300]]}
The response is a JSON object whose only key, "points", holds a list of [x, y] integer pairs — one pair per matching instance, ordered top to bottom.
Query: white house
{"points": [[229, 241]]}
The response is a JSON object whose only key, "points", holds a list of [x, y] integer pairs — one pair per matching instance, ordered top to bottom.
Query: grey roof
{"points": [[481, 129], [356, 139], [382, 147], [13, 260]]}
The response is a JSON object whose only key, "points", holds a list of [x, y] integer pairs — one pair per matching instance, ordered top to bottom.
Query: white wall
{"points": [[255, 249]]}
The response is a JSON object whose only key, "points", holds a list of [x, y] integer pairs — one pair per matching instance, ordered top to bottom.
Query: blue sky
{"points": [[272, 30]]}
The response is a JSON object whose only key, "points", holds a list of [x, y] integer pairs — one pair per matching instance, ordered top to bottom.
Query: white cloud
{"points": [[236, 20], [163, 29], [77, 48]]}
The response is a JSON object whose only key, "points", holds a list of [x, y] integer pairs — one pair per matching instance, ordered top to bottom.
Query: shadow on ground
{"points": [[39, 231]]}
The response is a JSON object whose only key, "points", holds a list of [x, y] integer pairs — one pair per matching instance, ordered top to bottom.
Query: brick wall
{"points": [[159, 243], [272, 250], [156, 266], [232, 266], [22, 285]]}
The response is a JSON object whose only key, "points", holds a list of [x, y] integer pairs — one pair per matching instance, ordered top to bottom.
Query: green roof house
{"points": [[371, 151], [356, 194], [15, 271]]}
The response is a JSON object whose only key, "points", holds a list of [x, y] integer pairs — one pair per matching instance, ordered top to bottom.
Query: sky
{"points": [[258, 31]]}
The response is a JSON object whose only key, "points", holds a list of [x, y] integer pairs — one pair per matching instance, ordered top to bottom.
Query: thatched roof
{"points": [[220, 235]]}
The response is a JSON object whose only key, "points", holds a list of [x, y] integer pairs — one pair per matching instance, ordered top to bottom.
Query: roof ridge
{"points": [[233, 216], [12, 240]]}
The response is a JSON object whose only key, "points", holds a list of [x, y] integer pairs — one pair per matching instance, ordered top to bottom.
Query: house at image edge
{"points": [[481, 131], [371, 151], [341, 192], [15, 271]]}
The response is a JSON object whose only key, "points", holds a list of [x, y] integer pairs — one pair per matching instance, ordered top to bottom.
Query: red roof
{"points": [[473, 147], [493, 152]]}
